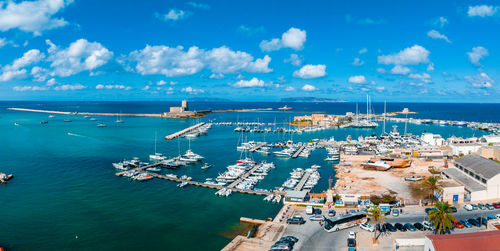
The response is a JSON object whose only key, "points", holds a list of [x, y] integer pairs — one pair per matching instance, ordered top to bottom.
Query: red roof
{"points": [[478, 241]]}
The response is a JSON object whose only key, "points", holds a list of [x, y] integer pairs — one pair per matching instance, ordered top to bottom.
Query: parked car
{"points": [[496, 205], [474, 206], [481, 206], [489, 206], [468, 207], [454, 209], [309, 210], [427, 210], [317, 211], [395, 212], [332, 213], [498, 216], [316, 217], [492, 217], [296, 220], [482, 220], [474, 222], [466, 223], [457, 224], [427, 225], [419, 226], [367, 227], [390, 227], [400, 227], [410, 227], [352, 235], [289, 238], [285, 242], [351, 242]]}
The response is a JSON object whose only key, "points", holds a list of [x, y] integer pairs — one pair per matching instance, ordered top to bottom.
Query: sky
{"points": [[250, 50]]}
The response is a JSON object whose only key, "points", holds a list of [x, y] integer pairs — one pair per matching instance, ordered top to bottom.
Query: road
{"points": [[312, 236]]}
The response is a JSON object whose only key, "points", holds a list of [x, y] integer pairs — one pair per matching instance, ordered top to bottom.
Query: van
{"points": [[309, 210]]}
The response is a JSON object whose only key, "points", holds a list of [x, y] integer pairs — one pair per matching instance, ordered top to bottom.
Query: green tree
{"points": [[432, 185], [376, 216], [442, 217]]}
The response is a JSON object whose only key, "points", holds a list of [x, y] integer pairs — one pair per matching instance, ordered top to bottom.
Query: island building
{"points": [[479, 176]]}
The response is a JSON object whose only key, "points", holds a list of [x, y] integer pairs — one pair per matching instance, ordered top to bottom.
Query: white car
{"points": [[468, 207], [498, 216], [427, 225], [367, 227], [352, 235]]}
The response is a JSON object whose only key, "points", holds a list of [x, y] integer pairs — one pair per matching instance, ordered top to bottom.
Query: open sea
{"points": [[65, 196]]}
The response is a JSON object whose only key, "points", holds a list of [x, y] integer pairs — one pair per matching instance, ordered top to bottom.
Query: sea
{"points": [[65, 195]]}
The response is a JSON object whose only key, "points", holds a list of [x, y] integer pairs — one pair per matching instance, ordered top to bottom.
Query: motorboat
{"points": [[67, 120], [44, 122], [16, 124], [101, 125], [193, 155], [157, 157], [379, 165], [205, 166], [154, 169], [143, 177], [414, 178], [183, 184], [269, 198]]}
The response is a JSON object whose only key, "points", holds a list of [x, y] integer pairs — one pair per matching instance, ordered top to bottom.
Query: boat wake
{"points": [[74, 134]]}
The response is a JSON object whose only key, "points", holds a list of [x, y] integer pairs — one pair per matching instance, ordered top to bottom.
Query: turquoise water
{"points": [[65, 194]]}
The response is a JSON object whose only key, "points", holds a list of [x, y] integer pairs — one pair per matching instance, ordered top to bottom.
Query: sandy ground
{"points": [[356, 180]]}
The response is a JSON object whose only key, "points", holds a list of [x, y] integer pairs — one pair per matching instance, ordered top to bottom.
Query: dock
{"points": [[183, 131], [257, 147], [296, 154], [139, 169], [244, 176], [302, 182]]}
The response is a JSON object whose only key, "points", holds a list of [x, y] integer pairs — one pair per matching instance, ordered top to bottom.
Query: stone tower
{"points": [[185, 105]]}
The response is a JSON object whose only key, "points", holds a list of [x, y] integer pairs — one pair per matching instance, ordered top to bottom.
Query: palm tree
{"points": [[432, 185], [376, 215], [442, 217]]}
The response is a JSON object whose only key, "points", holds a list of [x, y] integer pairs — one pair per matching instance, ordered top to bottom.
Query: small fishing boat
{"points": [[51, 116], [93, 119], [67, 120], [44, 122], [16, 124], [101, 125], [205, 166], [154, 169], [414, 178], [183, 184], [269, 198]]}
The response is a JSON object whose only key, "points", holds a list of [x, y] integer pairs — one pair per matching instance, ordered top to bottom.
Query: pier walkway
{"points": [[183, 131], [257, 147], [296, 154], [139, 169], [244, 176], [302, 182]]}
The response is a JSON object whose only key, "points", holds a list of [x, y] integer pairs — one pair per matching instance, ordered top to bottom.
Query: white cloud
{"points": [[199, 5], [482, 10], [173, 15], [32, 16], [440, 22], [248, 30], [436, 35], [293, 38], [3, 42], [362, 51], [477, 54], [81, 55], [409, 56], [294, 59], [174, 61], [358, 62], [430, 67], [381, 70], [400, 70], [15, 71], [311, 71], [12, 74], [216, 76], [424, 77], [359, 79], [482, 80], [51, 82], [163, 82], [254, 82], [68, 87], [110, 87], [29, 88], [145, 88], [309, 88], [380, 88], [289, 89], [191, 90]]}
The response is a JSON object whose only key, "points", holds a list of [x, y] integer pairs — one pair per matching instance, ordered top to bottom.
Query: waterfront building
{"points": [[432, 139], [490, 139], [460, 146], [480, 177], [296, 196], [478, 241]]}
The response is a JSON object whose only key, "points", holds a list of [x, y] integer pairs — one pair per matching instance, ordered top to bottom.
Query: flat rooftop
{"points": [[470, 184]]}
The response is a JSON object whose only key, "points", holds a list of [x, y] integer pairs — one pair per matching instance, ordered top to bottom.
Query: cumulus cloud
{"points": [[199, 5], [482, 10], [173, 15], [32, 16], [440, 22], [248, 30], [436, 35], [293, 38], [3, 42], [362, 51], [477, 54], [81, 55], [410, 56], [294, 59], [175, 61], [358, 62], [400, 70], [15, 71], [310, 71], [216, 76], [359, 79], [482, 80], [254, 82], [69, 87], [110, 87], [29, 88], [309, 88], [380, 88], [289, 89], [191, 90]]}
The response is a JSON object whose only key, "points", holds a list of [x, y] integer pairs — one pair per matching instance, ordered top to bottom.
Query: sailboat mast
{"points": [[367, 107], [385, 111]]}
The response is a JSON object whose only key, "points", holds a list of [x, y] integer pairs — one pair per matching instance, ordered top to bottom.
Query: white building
{"points": [[432, 139], [490, 139], [460, 146], [480, 176]]}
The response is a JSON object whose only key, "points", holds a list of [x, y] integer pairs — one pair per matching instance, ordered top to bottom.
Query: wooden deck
{"points": [[296, 154]]}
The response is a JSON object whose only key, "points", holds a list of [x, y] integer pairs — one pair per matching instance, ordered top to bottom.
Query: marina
{"points": [[184, 131]]}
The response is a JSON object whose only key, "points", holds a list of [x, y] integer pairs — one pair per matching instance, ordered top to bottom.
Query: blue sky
{"points": [[424, 51]]}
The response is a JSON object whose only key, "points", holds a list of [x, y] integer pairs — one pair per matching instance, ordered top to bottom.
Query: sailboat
{"points": [[119, 120], [367, 122], [191, 155], [157, 156]]}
